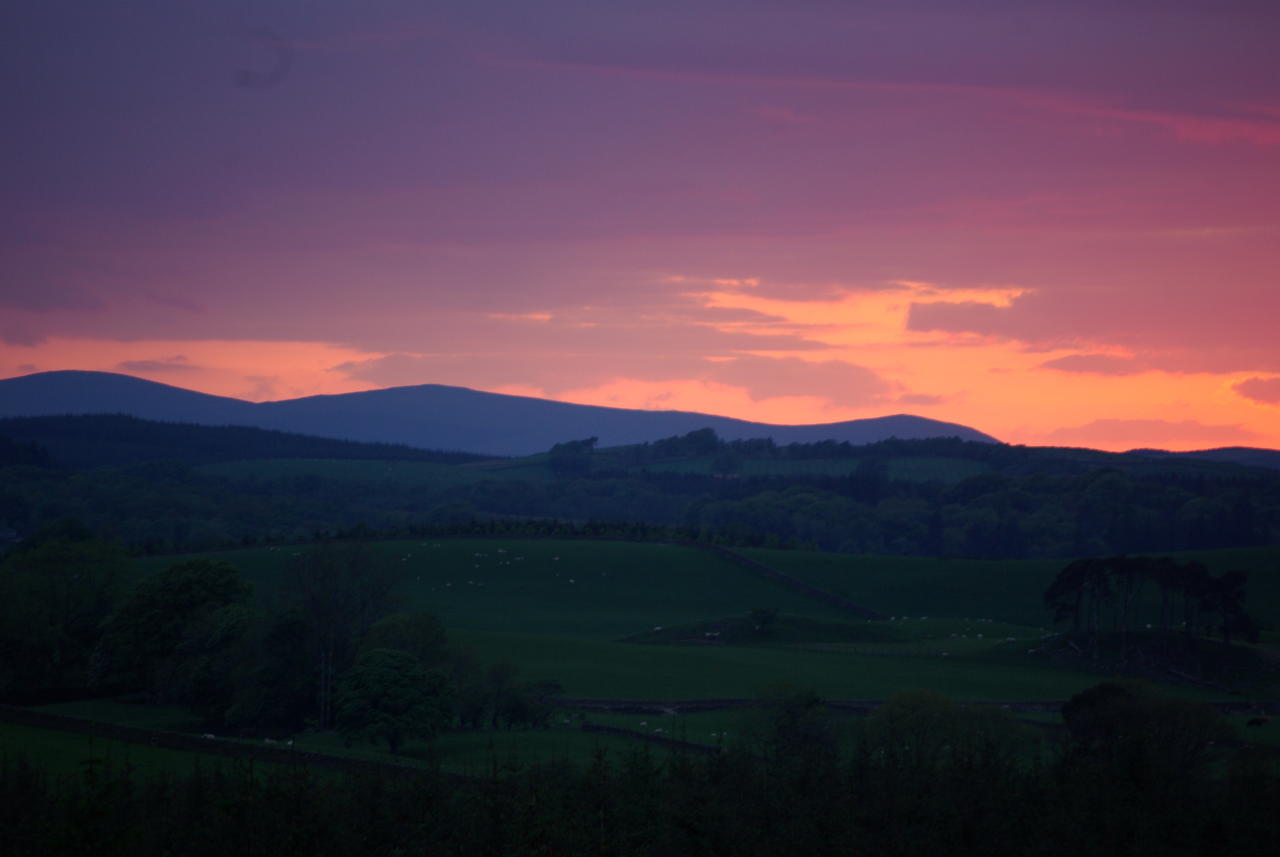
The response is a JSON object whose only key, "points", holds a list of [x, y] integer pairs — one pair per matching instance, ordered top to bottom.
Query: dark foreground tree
{"points": [[341, 588], [55, 590], [152, 621], [417, 632], [389, 696]]}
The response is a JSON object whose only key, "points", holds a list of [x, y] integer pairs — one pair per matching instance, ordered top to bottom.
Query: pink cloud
{"points": [[959, 317], [176, 363], [1095, 364], [1264, 390], [921, 399]]}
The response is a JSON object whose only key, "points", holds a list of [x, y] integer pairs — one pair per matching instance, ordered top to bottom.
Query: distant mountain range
{"points": [[429, 416]]}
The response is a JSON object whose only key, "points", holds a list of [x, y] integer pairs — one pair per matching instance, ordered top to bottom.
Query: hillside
{"points": [[428, 416], [113, 440]]}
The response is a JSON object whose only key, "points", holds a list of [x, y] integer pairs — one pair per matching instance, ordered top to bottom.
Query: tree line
{"points": [[1027, 503], [1150, 609], [331, 649], [1133, 774]]}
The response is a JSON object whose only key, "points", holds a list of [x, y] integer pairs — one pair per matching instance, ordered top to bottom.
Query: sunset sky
{"points": [[1056, 222]]}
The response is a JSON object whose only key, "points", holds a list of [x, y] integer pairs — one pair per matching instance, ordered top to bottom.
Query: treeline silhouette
{"points": [[1026, 503], [329, 649], [1134, 775]]}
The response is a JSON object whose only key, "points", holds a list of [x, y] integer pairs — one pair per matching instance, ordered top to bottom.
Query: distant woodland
{"points": [[162, 487]]}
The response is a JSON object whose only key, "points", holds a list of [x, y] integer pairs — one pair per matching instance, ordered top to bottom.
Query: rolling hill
{"points": [[429, 416]]}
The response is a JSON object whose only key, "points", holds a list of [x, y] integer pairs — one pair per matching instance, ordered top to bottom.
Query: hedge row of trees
{"points": [[1033, 508], [1187, 598], [329, 649], [1135, 775]]}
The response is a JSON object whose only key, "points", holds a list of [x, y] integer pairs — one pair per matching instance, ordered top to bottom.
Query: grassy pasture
{"points": [[601, 590], [1002, 590], [561, 608], [614, 670], [171, 718], [59, 752], [66, 753]]}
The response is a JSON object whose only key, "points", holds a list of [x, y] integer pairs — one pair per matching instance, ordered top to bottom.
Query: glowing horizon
{"points": [[1053, 227]]}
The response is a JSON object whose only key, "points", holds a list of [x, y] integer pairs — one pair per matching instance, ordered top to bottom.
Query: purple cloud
{"points": [[176, 363], [1095, 364], [1264, 390], [921, 399]]}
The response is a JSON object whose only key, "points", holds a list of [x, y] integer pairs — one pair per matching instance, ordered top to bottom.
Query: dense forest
{"points": [[940, 497]]}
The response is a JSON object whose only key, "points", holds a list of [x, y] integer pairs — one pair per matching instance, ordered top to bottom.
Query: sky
{"points": [[1056, 222]]}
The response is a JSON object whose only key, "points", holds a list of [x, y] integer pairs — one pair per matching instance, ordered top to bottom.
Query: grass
{"points": [[601, 590], [1003, 590], [558, 609], [621, 620], [613, 670], [170, 718], [58, 752], [61, 753], [479, 753]]}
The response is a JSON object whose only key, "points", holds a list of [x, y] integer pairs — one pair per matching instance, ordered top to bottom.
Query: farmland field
{"points": [[1005, 590], [561, 609], [614, 620]]}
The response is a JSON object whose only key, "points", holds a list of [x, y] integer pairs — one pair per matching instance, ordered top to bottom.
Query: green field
{"points": [[599, 590], [1002, 590], [598, 616], [644, 621], [66, 753]]}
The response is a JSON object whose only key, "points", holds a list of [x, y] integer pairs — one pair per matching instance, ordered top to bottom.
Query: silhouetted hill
{"points": [[58, 393], [428, 416], [98, 440]]}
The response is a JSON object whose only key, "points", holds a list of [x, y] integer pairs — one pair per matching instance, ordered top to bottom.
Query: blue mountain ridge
{"points": [[429, 416]]}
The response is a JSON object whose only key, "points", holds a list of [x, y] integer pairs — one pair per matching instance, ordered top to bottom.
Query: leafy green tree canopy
{"points": [[56, 588], [150, 623], [418, 632], [388, 695]]}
